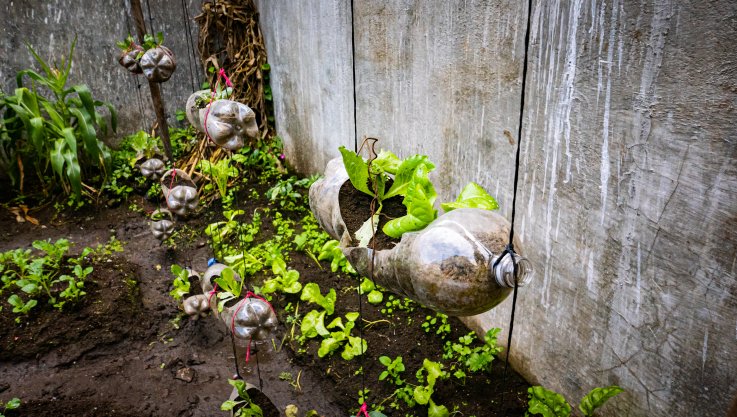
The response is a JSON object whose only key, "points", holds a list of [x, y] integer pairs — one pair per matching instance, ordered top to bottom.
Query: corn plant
{"points": [[56, 128]]}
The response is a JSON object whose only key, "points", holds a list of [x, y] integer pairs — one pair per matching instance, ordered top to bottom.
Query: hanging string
{"points": [[150, 19], [188, 35], [353, 67], [199, 71], [369, 142], [509, 249], [235, 357]]}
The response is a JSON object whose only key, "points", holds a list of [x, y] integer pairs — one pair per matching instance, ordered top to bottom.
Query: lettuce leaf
{"points": [[357, 170], [405, 173], [472, 196], [419, 200]]}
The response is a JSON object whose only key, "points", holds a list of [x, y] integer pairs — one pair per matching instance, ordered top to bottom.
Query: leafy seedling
{"points": [[472, 196], [286, 280], [180, 283], [311, 293], [352, 346], [549, 403], [242, 406]]}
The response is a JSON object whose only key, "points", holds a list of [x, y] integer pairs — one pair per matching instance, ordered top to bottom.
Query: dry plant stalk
{"points": [[230, 38]]}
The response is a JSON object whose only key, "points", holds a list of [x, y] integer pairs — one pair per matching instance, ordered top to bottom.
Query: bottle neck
{"points": [[504, 271]]}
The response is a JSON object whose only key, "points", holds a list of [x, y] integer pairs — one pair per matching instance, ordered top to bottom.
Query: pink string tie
{"points": [[221, 73], [211, 293], [363, 410]]}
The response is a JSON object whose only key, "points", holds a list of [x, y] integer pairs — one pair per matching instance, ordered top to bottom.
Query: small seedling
{"points": [[181, 282], [393, 369], [12, 404]]}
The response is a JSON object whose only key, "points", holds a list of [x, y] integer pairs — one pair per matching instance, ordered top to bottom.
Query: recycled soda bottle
{"points": [[450, 265]]}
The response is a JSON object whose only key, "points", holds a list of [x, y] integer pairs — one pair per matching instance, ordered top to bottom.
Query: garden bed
{"points": [[128, 350]]}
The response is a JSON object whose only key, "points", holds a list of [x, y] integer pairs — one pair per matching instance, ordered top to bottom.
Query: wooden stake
{"points": [[153, 87]]}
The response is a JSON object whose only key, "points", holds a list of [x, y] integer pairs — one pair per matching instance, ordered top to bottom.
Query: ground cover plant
{"points": [[263, 230]]}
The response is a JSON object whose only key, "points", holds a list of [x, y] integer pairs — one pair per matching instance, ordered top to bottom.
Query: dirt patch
{"points": [[355, 208], [110, 313], [399, 334]]}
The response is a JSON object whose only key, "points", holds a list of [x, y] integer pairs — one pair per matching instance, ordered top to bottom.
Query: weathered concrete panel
{"points": [[50, 26], [309, 49], [443, 79], [627, 205]]}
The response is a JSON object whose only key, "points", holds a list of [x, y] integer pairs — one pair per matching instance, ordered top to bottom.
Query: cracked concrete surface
{"points": [[627, 202]]}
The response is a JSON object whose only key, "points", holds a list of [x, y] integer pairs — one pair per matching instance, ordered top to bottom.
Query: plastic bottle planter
{"points": [[129, 60], [158, 64], [229, 124], [153, 168], [180, 192], [162, 224], [448, 266], [212, 272], [199, 305], [196, 306], [250, 318], [258, 398]]}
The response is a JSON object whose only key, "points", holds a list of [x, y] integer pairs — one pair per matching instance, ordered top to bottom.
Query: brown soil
{"points": [[355, 208], [119, 352]]}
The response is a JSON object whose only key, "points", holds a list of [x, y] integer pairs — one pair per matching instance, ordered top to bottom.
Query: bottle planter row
{"points": [[449, 266], [249, 319]]}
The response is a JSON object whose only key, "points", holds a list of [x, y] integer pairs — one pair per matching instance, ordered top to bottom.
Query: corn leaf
{"points": [[87, 131]]}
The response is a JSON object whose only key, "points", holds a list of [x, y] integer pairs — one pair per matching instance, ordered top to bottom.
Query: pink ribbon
{"points": [[221, 73], [211, 293], [248, 351], [363, 410]]}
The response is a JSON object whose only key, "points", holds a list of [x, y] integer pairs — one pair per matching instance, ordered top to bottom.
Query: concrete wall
{"points": [[50, 26], [309, 49], [627, 205]]}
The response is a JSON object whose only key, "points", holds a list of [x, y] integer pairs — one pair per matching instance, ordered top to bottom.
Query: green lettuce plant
{"points": [[409, 179], [286, 280], [181, 282], [311, 293], [374, 295], [341, 336], [549, 403]]}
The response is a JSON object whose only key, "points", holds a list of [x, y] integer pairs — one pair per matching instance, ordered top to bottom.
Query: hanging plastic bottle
{"points": [[180, 192], [449, 266]]}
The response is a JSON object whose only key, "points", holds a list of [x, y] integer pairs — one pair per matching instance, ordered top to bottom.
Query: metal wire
{"points": [[509, 251]]}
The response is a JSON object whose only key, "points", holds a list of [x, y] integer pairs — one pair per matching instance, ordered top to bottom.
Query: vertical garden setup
{"points": [[370, 209]]}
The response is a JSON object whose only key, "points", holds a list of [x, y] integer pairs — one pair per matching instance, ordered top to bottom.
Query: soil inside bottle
{"points": [[355, 208]]}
